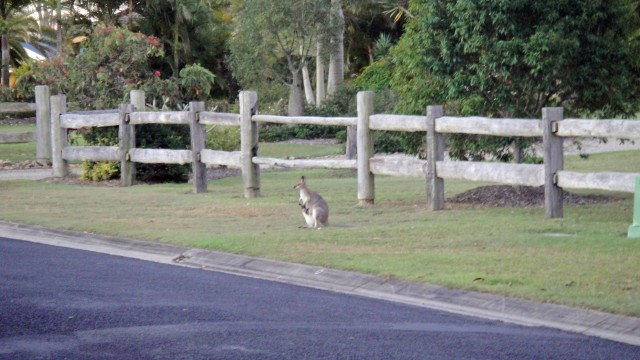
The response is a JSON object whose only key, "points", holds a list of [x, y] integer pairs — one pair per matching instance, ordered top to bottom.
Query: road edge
{"points": [[624, 329]]}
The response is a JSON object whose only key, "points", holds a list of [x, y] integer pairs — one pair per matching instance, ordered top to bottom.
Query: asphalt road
{"points": [[58, 303]]}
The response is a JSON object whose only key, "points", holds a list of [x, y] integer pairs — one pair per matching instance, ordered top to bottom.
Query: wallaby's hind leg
{"points": [[321, 217], [308, 218]]}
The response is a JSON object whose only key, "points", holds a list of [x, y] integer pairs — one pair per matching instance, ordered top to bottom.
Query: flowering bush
{"points": [[108, 65]]}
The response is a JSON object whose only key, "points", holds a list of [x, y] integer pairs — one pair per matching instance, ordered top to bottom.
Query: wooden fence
{"points": [[552, 128], [42, 135]]}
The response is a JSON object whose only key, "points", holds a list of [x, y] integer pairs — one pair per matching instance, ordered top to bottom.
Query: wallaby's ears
{"points": [[300, 183]]}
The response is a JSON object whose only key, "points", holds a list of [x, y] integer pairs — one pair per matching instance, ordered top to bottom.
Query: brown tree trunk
{"points": [[5, 62], [296, 99]]}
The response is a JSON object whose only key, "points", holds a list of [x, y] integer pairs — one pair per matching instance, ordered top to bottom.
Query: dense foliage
{"points": [[191, 32], [511, 58], [111, 62]]}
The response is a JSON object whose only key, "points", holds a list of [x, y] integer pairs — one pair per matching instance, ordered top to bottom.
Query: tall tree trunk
{"points": [[38, 6], [130, 19], [59, 26], [176, 41], [336, 60], [5, 61], [336, 72], [308, 88], [321, 93], [296, 100]]}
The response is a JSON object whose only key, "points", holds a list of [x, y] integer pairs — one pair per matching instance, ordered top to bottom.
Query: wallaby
{"points": [[314, 209]]}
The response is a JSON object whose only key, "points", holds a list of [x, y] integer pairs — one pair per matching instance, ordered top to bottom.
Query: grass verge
{"points": [[584, 259]]}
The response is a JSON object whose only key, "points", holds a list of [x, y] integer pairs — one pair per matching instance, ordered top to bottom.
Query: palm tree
{"points": [[15, 27]]}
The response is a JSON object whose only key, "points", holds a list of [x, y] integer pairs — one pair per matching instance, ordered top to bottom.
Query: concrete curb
{"points": [[619, 328]]}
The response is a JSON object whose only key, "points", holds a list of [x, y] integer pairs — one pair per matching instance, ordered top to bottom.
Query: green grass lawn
{"points": [[283, 150], [18, 152], [584, 259]]}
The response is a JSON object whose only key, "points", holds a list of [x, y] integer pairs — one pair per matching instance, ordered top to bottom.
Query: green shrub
{"points": [[375, 77], [196, 82], [276, 132], [224, 138], [100, 170]]}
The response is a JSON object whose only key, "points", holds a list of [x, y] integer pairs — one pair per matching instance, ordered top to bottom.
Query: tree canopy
{"points": [[274, 39], [513, 57]]}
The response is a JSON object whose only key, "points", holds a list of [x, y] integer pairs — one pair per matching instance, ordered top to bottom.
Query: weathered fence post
{"points": [[137, 99], [43, 125], [125, 133], [58, 136], [198, 140], [249, 144], [435, 153], [553, 161], [366, 184], [634, 229]]}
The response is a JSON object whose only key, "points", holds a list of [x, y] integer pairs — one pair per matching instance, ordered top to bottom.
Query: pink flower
{"points": [[157, 73]]}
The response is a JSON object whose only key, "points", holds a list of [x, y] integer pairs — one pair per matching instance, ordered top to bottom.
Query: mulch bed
{"points": [[519, 196]]}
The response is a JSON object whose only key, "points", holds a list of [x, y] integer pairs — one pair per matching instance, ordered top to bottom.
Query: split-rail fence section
{"points": [[552, 127]]}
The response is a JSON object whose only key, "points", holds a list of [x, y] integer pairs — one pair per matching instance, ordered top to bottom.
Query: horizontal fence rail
{"points": [[164, 117], [100, 118], [220, 119], [311, 120], [389, 122], [489, 126], [551, 127], [624, 129], [91, 153], [161, 156], [231, 159], [305, 163], [398, 166], [512, 174], [610, 181]]}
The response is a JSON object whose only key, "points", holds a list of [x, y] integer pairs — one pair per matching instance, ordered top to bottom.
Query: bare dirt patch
{"points": [[519, 196]]}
